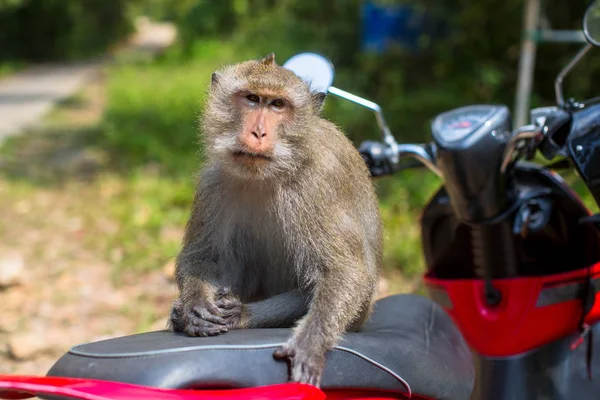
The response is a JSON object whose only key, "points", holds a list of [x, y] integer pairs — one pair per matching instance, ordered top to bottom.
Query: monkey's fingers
{"points": [[223, 292], [228, 303], [212, 308], [232, 313], [206, 315], [176, 322], [204, 328], [284, 353], [307, 369]]}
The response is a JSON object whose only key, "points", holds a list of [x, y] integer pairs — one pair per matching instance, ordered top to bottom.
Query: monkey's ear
{"points": [[269, 59], [214, 79], [317, 99]]}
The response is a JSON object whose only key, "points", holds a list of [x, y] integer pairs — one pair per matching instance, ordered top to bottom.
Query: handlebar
{"points": [[381, 158]]}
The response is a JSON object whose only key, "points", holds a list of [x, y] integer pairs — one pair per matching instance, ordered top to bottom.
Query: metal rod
{"points": [[564, 36], [526, 63], [560, 100], [363, 102], [525, 132], [387, 134], [421, 154]]}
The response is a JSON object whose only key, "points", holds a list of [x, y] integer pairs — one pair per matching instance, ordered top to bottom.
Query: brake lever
{"points": [[532, 134], [424, 153]]}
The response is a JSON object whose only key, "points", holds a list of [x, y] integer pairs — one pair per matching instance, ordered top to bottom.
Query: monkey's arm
{"points": [[196, 272], [340, 301], [195, 311], [277, 311]]}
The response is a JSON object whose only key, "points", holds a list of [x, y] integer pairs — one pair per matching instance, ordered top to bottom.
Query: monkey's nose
{"points": [[258, 134]]}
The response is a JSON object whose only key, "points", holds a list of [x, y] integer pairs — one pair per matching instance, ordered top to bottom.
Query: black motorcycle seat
{"points": [[408, 346]]}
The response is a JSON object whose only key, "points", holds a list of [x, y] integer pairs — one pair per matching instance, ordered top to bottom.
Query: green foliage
{"points": [[8, 4], [39, 30], [467, 54], [9, 67], [153, 108], [155, 119], [402, 198], [151, 211]]}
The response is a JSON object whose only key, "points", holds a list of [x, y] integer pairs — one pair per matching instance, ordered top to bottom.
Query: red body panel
{"points": [[517, 324], [25, 387], [368, 395]]}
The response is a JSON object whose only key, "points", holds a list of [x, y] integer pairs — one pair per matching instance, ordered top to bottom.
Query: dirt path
{"points": [[27, 96]]}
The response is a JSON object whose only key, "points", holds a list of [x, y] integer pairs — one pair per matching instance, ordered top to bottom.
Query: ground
{"points": [[58, 286]]}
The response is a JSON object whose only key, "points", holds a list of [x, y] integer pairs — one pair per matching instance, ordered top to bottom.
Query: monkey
{"points": [[285, 228]]}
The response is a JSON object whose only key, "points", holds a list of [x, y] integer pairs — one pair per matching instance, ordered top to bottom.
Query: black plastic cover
{"points": [[584, 146], [470, 159]]}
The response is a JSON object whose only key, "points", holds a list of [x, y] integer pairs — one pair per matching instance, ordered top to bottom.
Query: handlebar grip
{"points": [[375, 156]]}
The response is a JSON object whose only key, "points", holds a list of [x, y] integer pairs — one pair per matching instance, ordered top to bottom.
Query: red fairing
{"points": [[523, 320], [25, 387], [368, 395]]}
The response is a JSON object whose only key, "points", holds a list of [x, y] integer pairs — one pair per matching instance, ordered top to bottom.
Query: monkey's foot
{"points": [[230, 308], [200, 319], [303, 367]]}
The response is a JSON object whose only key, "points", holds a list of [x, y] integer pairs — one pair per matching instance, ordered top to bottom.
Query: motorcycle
{"points": [[513, 274]]}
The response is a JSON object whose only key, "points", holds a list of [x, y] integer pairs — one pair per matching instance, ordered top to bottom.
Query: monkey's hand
{"points": [[231, 309], [199, 317], [304, 366]]}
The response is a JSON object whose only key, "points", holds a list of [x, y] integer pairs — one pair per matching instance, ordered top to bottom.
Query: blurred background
{"points": [[99, 103]]}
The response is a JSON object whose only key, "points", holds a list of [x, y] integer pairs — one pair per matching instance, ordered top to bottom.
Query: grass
{"points": [[10, 67], [153, 108]]}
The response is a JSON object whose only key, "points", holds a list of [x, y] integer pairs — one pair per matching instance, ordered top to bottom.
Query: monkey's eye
{"points": [[253, 98], [277, 103]]}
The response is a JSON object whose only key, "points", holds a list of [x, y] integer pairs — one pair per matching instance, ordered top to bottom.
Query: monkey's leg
{"points": [[339, 301]]}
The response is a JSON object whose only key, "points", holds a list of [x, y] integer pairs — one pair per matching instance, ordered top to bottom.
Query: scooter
{"points": [[512, 276]]}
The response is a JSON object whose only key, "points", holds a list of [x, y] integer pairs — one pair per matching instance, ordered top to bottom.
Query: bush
{"points": [[38, 30], [466, 53], [153, 109]]}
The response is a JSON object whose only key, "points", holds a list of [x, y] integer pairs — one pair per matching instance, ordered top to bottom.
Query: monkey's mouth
{"points": [[250, 157]]}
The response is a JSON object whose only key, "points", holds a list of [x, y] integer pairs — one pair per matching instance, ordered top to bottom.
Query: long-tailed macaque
{"points": [[285, 228]]}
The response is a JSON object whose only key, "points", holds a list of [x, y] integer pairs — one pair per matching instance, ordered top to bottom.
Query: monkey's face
{"points": [[263, 115], [256, 119]]}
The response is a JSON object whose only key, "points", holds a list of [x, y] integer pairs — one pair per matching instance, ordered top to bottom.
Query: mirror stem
{"points": [[560, 100], [387, 134]]}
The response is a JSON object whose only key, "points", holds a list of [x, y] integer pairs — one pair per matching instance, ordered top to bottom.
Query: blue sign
{"points": [[391, 24]]}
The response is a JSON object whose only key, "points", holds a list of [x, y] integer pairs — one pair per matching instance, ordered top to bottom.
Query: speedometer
{"points": [[457, 124], [460, 126]]}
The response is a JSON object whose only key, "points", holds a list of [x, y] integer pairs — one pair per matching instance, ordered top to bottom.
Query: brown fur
{"points": [[295, 241]]}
